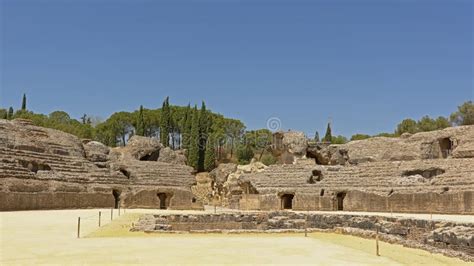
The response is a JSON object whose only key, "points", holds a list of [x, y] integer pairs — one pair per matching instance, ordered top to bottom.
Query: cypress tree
{"points": [[23, 103], [10, 113], [165, 122], [140, 123], [186, 127], [203, 131], [316, 136], [328, 136], [193, 149], [210, 155]]}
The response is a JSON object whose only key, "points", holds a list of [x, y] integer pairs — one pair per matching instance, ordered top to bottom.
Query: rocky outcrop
{"points": [[453, 142], [289, 146], [139, 148], [96, 151], [167, 155]]}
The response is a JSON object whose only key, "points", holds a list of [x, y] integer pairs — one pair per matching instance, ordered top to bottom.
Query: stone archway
{"points": [[164, 199], [340, 200], [287, 201]]}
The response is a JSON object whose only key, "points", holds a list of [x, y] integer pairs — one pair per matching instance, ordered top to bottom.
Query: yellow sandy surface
{"points": [[32, 237]]}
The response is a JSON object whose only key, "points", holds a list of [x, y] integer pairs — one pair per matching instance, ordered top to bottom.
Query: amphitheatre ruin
{"points": [[313, 187]]}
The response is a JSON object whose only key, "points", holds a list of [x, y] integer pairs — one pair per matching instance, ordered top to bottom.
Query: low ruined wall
{"points": [[447, 203], [449, 238]]}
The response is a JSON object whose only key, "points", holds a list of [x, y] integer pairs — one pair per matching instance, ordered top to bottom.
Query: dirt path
{"points": [[32, 237]]}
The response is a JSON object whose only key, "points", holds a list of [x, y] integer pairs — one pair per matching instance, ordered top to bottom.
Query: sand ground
{"points": [[33, 237]]}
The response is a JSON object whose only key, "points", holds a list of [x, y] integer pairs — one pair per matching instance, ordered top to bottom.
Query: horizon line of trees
{"points": [[207, 137]]}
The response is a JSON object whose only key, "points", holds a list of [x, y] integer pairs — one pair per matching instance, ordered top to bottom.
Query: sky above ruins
{"points": [[363, 64]]}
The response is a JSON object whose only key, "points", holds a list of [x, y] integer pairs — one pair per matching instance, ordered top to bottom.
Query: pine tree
{"points": [[23, 103], [10, 113], [84, 119], [165, 122], [140, 123], [328, 136], [316, 137], [193, 149], [210, 155]]}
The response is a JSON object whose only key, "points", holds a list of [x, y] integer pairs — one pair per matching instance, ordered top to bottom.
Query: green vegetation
{"points": [[23, 103], [464, 115], [165, 123], [328, 136], [359, 137], [209, 138], [244, 154]]}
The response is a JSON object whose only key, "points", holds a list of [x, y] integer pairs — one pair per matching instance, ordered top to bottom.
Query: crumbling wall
{"points": [[449, 238]]}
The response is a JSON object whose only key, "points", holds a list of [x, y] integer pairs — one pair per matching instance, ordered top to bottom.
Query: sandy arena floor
{"points": [[32, 237]]}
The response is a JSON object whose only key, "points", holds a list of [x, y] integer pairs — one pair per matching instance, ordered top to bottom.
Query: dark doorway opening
{"points": [[446, 146], [152, 156], [125, 172], [116, 194], [164, 200], [340, 200], [287, 201]]}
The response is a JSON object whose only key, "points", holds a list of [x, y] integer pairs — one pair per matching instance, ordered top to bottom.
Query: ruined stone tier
{"points": [[43, 168]]}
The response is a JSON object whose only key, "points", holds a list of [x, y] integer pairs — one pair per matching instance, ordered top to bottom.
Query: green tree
{"points": [[23, 103], [10, 113], [3, 114], [464, 115], [59, 117], [204, 122], [442, 122], [165, 123], [426, 124], [187, 126], [407, 126], [140, 130], [233, 130], [328, 136], [359, 136], [316, 137], [338, 140], [193, 150], [210, 154], [244, 154], [268, 159]]}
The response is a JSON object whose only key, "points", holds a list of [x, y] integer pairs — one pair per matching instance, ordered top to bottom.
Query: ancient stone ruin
{"points": [[43, 168], [427, 172]]}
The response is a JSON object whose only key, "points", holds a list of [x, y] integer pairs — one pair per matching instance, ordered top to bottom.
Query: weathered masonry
{"points": [[42, 168]]}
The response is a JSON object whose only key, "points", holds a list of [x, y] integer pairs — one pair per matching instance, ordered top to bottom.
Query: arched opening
{"points": [[445, 146], [152, 156], [125, 172], [321, 193], [116, 194], [164, 200], [340, 200], [287, 201]]}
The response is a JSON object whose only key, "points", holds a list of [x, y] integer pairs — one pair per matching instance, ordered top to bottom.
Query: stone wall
{"points": [[449, 238]]}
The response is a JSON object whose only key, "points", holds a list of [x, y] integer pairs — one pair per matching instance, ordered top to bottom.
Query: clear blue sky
{"points": [[365, 64]]}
